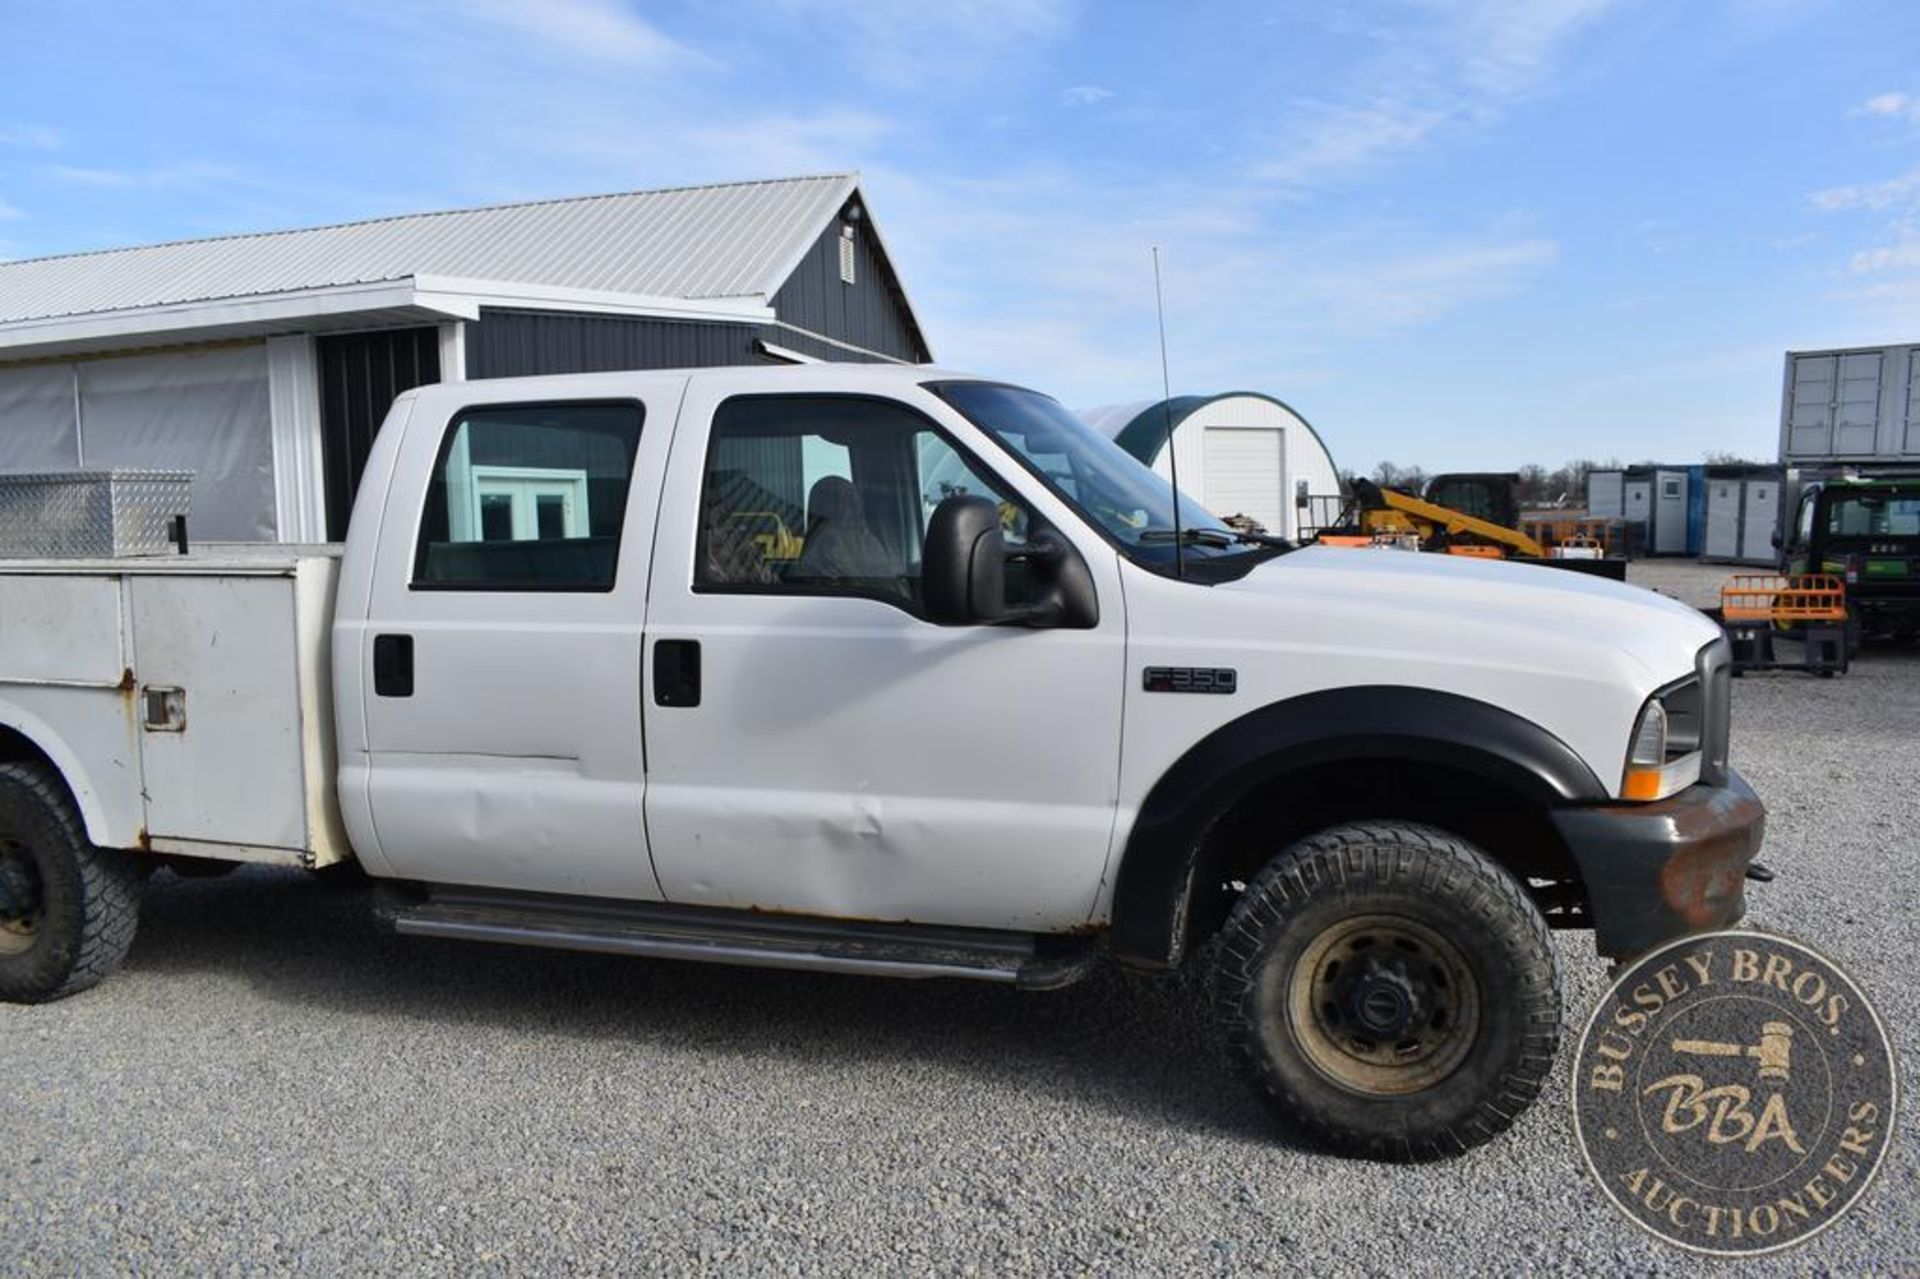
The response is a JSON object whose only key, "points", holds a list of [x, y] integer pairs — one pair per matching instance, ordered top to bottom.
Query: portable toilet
{"points": [[1726, 496], [1636, 508], [1696, 508], [1743, 510], [1760, 520], [1669, 532]]}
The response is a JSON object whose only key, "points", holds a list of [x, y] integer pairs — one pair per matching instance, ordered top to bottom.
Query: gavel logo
{"points": [[1774, 1052], [1724, 1110]]}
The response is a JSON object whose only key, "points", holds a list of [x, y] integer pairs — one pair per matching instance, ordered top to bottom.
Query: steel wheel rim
{"points": [[23, 903], [1383, 1005]]}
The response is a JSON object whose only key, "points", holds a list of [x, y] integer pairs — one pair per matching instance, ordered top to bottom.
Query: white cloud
{"points": [[595, 30], [914, 45], [1467, 64], [1084, 95], [1897, 106], [34, 137], [170, 177], [1872, 196], [1895, 257], [1043, 275]]}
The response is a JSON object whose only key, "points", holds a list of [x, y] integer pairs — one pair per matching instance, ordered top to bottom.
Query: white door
{"points": [[1245, 473], [1670, 512], [1723, 520], [1761, 520], [502, 650], [833, 753]]}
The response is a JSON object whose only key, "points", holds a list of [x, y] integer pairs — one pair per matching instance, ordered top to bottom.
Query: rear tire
{"points": [[68, 910], [1390, 991]]}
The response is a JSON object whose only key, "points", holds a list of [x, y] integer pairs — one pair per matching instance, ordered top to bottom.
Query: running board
{"points": [[707, 935]]}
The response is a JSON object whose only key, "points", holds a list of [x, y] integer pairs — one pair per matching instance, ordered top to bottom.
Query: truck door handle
{"points": [[393, 665], [676, 673]]}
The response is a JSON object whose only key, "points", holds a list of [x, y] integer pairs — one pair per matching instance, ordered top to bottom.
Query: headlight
{"points": [[1663, 755]]}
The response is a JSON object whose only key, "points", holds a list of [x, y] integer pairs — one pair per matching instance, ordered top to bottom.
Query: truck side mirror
{"points": [[1776, 539], [964, 563]]}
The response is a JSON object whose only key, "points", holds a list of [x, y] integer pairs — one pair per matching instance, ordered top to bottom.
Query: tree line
{"points": [[1564, 485]]}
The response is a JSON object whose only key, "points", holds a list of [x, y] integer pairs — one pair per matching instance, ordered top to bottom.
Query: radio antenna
{"points": [[1166, 409]]}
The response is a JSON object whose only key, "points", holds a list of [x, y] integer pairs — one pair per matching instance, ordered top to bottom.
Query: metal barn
{"points": [[265, 363], [1242, 453]]}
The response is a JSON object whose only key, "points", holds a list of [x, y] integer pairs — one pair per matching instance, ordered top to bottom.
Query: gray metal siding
{"points": [[871, 312], [526, 343]]}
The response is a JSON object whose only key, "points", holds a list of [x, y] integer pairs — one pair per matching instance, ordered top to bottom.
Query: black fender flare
{"points": [[1416, 725]]}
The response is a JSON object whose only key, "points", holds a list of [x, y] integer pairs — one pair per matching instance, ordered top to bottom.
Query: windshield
{"points": [[1109, 486], [1874, 515]]}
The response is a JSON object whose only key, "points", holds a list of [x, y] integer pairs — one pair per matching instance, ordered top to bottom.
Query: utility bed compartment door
{"points": [[61, 629], [230, 771]]}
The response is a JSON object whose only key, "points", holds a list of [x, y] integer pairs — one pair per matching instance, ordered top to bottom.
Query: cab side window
{"points": [[826, 495], [528, 497]]}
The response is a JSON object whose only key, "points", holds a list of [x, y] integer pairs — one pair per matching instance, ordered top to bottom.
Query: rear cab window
{"points": [[529, 497]]}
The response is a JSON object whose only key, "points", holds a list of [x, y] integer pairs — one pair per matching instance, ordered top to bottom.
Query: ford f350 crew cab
{"points": [[890, 671]]}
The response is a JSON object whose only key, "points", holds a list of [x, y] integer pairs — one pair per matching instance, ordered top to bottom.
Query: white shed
{"points": [[1242, 453]]}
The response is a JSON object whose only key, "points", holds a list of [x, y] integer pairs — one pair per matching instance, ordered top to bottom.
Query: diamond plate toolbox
{"points": [[90, 514]]}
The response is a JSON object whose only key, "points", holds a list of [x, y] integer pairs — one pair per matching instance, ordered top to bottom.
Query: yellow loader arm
{"points": [[1425, 518]]}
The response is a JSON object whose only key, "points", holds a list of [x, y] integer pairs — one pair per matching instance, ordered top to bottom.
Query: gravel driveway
{"points": [[271, 1084]]}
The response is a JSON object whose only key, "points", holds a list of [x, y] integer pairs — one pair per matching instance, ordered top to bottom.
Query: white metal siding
{"points": [[1245, 473]]}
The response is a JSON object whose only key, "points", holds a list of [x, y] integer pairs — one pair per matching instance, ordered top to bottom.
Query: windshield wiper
{"points": [[1189, 536], [1215, 537]]}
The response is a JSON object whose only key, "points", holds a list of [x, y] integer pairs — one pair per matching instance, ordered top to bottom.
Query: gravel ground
{"points": [[271, 1084]]}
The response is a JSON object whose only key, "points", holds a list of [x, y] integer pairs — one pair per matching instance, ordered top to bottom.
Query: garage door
{"points": [[1244, 474]]}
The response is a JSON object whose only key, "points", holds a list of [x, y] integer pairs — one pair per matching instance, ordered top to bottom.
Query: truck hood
{"points": [[1443, 595]]}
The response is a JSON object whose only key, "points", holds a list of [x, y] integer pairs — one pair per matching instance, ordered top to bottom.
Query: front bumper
{"points": [[1658, 871]]}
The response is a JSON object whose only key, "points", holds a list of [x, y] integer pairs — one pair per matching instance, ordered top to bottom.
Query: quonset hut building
{"points": [[265, 363], [1242, 453]]}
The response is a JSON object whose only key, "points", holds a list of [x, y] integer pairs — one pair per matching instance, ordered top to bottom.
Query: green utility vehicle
{"points": [[1865, 530]]}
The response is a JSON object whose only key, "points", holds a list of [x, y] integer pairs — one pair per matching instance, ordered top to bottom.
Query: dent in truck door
{"points": [[503, 642], [813, 744]]}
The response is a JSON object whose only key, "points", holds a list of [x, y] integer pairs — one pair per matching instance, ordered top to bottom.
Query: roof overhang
{"points": [[419, 299]]}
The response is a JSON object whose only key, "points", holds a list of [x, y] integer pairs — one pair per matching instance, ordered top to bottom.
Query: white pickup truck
{"points": [[890, 671]]}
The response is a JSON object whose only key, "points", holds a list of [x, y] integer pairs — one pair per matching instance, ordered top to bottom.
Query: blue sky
{"points": [[1462, 235]]}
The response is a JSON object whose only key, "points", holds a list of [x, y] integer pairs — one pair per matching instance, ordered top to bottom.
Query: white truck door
{"points": [[502, 646], [813, 744]]}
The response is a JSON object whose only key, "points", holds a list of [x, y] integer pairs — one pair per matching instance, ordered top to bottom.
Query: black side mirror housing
{"points": [[1776, 539], [964, 563], [964, 572]]}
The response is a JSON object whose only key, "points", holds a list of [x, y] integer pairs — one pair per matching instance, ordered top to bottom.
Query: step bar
{"points": [[752, 938]]}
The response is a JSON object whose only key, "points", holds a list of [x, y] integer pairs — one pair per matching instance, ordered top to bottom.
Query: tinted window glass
{"points": [[821, 495], [529, 497]]}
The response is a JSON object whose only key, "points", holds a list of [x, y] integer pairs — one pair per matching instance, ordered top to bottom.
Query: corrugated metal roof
{"points": [[739, 240]]}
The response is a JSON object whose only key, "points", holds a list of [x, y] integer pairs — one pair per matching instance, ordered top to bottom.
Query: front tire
{"points": [[68, 910], [1390, 991]]}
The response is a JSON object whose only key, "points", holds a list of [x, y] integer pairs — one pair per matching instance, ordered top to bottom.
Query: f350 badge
{"points": [[1191, 679]]}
